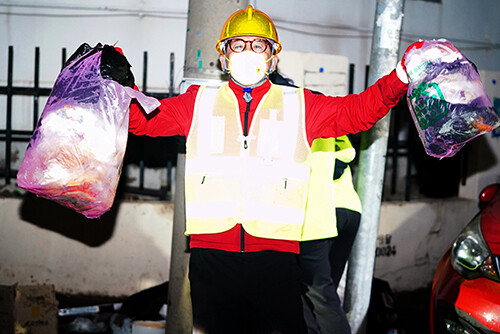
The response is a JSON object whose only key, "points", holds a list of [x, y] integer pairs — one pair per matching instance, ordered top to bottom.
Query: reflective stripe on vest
{"points": [[263, 184], [347, 197], [320, 221]]}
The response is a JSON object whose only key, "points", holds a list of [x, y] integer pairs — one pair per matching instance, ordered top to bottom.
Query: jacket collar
{"points": [[258, 90]]}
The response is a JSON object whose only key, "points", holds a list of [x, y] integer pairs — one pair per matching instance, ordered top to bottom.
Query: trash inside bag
{"points": [[446, 98], [76, 152]]}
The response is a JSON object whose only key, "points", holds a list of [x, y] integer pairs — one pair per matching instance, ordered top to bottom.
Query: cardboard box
{"points": [[28, 309]]}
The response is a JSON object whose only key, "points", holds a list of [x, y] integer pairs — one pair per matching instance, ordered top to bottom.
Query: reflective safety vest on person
{"points": [[259, 180], [330, 187], [320, 221]]}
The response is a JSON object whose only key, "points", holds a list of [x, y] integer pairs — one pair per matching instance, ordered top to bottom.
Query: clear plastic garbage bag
{"points": [[446, 98], [76, 152]]}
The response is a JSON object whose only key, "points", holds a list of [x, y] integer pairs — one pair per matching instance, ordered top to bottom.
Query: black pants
{"points": [[322, 263], [235, 293]]}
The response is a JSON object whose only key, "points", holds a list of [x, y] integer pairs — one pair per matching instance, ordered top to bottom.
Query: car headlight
{"points": [[471, 256]]}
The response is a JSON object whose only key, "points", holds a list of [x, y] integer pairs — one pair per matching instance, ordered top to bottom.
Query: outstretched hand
{"points": [[416, 45], [114, 65], [401, 66]]}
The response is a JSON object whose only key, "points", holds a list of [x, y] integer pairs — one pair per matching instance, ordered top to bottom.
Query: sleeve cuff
{"points": [[401, 73]]}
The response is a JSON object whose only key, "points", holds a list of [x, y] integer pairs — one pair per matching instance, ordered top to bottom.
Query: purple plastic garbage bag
{"points": [[446, 98], [76, 152]]}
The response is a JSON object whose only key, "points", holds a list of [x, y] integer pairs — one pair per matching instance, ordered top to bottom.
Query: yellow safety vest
{"points": [[259, 180], [326, 194], [320, 222]]}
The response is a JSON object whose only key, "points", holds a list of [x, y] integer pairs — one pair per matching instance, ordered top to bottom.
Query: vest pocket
{"points": [[283, 192], [211, 195]]}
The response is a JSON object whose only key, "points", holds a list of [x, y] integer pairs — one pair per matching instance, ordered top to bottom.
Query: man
{"points": [[248, 143], [333, 214]]}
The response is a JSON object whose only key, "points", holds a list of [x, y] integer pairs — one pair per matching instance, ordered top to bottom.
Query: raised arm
{"points": [[328, 116], [172, 117]]}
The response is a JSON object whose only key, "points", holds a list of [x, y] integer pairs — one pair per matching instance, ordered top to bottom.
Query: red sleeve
{"points": [[328, 116], [172, 117]]}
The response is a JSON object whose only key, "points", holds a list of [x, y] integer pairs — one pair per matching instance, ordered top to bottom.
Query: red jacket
{"points": [[326, 116]]}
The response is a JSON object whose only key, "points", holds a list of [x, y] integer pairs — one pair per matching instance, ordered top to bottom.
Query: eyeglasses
{"points": [[238, 45]]}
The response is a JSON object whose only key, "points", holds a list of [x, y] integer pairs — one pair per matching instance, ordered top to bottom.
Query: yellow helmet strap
{"points": [[227, 61], [273, 64]]}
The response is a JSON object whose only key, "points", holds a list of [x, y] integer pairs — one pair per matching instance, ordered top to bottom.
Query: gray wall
{"points": [[128, 249], [124, 251]]}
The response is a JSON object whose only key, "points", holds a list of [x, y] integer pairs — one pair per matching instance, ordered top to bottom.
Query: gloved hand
{"points": [[416, 45], [114, 65], [401, 66]]}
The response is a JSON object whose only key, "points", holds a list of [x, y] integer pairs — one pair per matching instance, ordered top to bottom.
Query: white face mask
{"points": [[248, 67]]}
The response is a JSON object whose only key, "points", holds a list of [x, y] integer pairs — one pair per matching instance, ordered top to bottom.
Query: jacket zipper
{"points": [[245, 125], [245, 146], [242, 239]]}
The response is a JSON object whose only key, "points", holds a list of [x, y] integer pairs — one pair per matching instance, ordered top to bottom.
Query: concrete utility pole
{"points": [[205, 22], [383, 59], [179, 312]]}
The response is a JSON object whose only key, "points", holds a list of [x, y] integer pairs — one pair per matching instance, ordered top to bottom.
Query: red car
{"points": [[465, 297]]}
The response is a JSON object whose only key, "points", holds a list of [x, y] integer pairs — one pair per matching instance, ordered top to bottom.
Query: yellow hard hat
{"points": [[249, 22]]}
